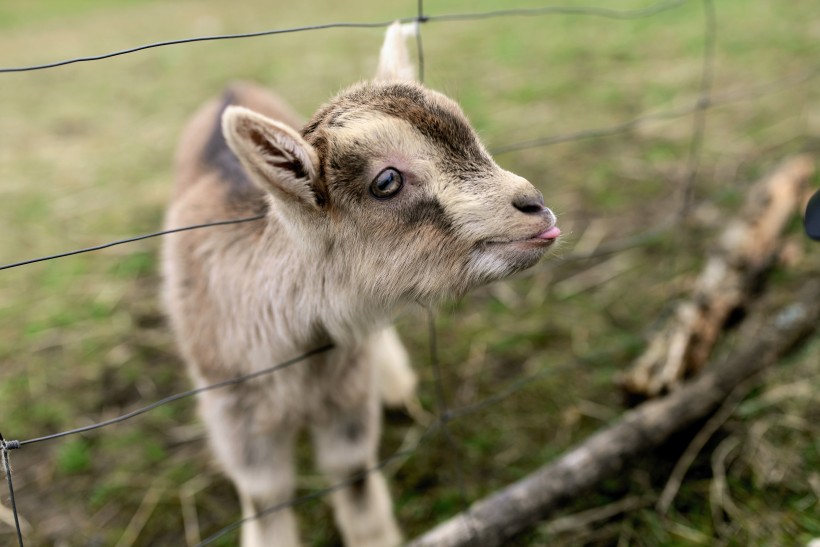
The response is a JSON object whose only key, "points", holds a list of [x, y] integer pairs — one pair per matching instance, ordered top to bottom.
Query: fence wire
{"points": [[420, 17], [706, 100], [716, 100], [444, 416], [444, 419], [5, 446]]}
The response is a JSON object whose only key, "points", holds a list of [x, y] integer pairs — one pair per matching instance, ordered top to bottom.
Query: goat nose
{"points": [[530, 204]]}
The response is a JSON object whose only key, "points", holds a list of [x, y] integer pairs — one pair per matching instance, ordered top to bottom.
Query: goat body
{"points": [[385, 196]]}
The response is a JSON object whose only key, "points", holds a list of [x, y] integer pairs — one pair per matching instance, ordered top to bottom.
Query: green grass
{"points": [[85, 158]]}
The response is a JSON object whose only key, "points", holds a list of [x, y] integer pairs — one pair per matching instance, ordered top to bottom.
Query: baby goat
{"points": [[385, 197]]}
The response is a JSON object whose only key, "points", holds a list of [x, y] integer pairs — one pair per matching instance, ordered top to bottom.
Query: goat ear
{"points": [[394, 59], [274, 154]]}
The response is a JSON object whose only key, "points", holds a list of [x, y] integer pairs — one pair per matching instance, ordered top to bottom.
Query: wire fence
{"points": [[707, 99]]}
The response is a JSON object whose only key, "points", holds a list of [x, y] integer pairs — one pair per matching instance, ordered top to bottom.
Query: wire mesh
{"points": [[707, 99]]}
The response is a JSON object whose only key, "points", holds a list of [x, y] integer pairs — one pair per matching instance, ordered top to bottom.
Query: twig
{"points": [[727, 408], [606, 453], [719, 498], [187, 500], [141, 516], [583, 519]]}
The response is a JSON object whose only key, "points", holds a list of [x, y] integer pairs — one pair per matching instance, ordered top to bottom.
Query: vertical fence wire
{"points": [[420, 18], [701, 106], [444, 419], [5, 446]]}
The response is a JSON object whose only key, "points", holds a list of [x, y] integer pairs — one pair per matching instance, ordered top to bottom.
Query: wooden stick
{"points": [[729, 281], [494, 519]]}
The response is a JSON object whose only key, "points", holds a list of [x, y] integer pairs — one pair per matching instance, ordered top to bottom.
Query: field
{"points": [[85, 158]]}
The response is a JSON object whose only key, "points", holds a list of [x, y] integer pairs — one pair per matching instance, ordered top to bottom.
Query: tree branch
{"points": [[745, 252], [496, 518]]}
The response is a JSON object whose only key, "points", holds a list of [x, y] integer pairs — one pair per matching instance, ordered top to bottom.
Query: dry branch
{"points": [[748, 247], [496, 518]]}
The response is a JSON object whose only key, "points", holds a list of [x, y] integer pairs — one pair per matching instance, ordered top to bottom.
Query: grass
{"points": [[85, 155]]}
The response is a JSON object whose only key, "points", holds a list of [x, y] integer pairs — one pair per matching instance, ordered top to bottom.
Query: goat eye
{"points": [[387, 183]]}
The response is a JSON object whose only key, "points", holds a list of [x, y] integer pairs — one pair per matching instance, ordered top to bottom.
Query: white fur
{"points": [[329, 263]]}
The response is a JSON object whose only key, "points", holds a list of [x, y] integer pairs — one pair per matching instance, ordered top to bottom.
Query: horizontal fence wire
{"points": [[420, 17], [706, 100], [716, 100], [131, 240], [184, 395], [448, 414], [443, 418], [321, 492]]}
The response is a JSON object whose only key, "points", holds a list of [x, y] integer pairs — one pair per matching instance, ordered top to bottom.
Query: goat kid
{"points": [[386, 196]]}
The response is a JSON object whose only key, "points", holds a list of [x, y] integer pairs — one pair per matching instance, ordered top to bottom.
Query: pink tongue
{"points": [[552, 233]]}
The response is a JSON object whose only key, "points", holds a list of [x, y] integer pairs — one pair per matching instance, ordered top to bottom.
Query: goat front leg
{"points": [[396, 379], [346, 448], [260, 464]]}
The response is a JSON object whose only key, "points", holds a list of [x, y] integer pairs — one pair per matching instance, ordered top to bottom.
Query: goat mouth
{"points": [[541, 239]]}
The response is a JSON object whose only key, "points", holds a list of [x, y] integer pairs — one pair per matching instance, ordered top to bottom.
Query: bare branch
{"points": [[511, 510]]}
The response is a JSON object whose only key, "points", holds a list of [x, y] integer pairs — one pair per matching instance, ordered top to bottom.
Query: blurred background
{"points": [[85, 158]]}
